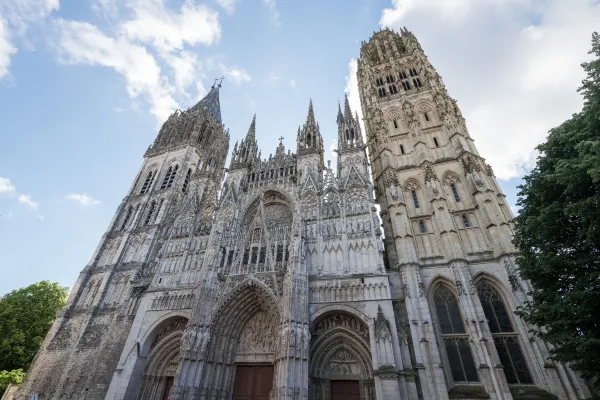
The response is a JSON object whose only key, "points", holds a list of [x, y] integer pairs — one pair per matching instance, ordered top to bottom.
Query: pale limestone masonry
{"points": [[205, 273]]}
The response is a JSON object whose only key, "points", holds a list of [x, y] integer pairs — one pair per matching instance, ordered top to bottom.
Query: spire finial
{"points": [[221, 81], [281, 140]]}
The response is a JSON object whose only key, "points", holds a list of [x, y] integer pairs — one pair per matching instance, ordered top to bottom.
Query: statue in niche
{"points": [[393, 192]]}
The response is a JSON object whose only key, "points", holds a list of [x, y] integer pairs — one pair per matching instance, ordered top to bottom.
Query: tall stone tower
{"points": [[448, 234]]}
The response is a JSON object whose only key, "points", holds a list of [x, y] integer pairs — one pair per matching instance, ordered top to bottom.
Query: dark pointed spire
{"points": [[211, 103], [347, 110], [340, 116], [310, 119], [252, 129]]}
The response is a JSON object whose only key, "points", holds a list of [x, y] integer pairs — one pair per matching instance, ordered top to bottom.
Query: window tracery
{"points": [[454, 336], [506, 339]]}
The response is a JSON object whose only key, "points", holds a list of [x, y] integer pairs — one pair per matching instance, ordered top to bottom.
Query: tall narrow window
{"points": [[413, 72], [417, 82], [406, 85], [393, 89], [426, 116], [395, 124], [435, 141], [402, 149], [172, 177], [186, 181], [148, 182], [455, 192], [415, 199], [150, 212], [127, 218], [466, 222], [422, 226], [279, 253], [263, 254], [246, 255], [253, 255], [230, 257], [454, 336], [505, 337]]}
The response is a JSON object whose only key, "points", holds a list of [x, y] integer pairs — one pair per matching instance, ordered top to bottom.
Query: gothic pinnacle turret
{"points": [[349, 133], [309, 137], [246, 152]]}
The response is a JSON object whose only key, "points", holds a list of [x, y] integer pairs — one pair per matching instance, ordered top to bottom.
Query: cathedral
{"points": [[389, 275]]}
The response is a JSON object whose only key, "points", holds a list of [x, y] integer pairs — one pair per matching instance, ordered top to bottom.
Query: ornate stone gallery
{"points": [[272, 279]]}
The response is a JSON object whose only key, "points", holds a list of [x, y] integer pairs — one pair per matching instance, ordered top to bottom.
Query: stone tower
{"points": [[448, 232]]}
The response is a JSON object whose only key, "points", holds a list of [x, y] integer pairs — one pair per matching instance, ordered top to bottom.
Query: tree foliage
{"points": [[558, 233], [26, 315], [7, 377]]}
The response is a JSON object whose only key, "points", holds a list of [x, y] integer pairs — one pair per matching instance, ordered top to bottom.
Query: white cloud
{"points": [[227, 5], [271, 7], [16, 16], [156, 24], [83, 43], [152, 46], [6, 48], [513, 66], [238, 75], [293, 83], [352, 92], [6, 187], [83, 199], [28, 201]]}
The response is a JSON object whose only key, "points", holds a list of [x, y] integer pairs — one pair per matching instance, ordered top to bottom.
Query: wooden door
{"points": [[253, 382], [168, 386], [345, 390]]}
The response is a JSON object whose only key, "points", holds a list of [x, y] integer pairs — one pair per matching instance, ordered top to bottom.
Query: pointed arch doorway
{"points": [[341, 363]]}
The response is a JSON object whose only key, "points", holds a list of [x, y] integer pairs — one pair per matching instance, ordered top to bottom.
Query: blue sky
{"points": [[85, 84]]}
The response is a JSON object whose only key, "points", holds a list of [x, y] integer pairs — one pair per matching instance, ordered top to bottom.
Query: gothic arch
{"points": [[449, 177], [411, 184], [250, 206], [438, 280], [231, 315], [162, 346], [340, 350]]}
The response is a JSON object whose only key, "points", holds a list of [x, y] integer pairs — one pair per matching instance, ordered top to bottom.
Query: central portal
{"points": [[253, 382], [345, 390]]}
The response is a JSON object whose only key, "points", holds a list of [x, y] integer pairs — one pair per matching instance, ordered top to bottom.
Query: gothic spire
{"points": [[211, 103], [347, 110], [340, 116], [252, 129], [349, 133], [309, 137]]}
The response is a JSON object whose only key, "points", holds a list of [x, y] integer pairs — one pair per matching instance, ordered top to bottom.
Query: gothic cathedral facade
{"points": [[272, 279]]}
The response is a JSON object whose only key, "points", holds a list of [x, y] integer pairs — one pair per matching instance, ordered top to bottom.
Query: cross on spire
{"points": [[281, 139]]}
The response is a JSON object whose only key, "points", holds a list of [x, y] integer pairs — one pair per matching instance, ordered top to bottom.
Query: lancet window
{"points": [[169, 176], [148, 182], [186, 182], [415, 198], [150, 213], [127, 217], [454, 336], [506, 339]]}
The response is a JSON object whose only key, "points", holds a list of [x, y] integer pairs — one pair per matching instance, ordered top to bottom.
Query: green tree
{"points": [[558, 233], [26, 315], [7, 377]]}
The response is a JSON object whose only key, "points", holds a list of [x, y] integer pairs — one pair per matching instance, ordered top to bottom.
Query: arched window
{"points": [[172, 177], [166, 178], [148, 182], [186, 182], [455, 192], [415, 199], [150, 212], [127, 217], [465, 220], [422, 226], [454, 336], [505, 337]]}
